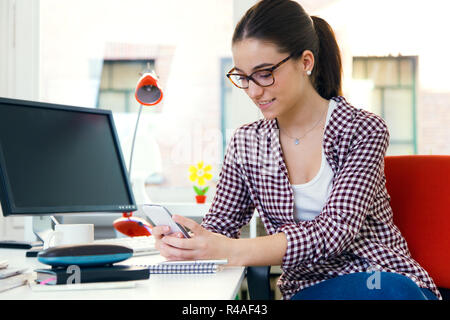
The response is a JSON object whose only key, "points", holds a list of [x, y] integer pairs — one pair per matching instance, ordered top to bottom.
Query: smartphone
{"points": [[160, 216]]}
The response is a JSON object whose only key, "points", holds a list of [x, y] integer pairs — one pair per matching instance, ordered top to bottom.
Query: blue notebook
{"points": [[190, 266]]}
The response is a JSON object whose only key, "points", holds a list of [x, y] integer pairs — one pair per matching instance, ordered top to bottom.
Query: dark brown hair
{"points": [[286, 24]]}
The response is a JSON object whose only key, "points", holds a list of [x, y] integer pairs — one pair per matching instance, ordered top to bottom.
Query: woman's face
{"points": [[290, 83]]}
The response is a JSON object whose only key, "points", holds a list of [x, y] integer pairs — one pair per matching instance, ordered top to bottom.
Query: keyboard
{"points": [[142, 246]]}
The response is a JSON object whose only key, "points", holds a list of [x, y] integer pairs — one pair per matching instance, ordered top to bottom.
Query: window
{"points": [[118, 83], [391, 91]]}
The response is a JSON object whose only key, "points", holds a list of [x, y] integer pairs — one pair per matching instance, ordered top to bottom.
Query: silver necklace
{"points": [[297, 139]]}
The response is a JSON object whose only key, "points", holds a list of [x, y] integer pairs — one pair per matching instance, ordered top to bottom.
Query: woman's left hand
{"points": [[203, 244]]}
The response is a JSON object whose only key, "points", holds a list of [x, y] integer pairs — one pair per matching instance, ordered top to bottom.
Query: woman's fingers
{"points": [[189, 223], [159, 231], [181, 243], [176, 247], [175, 253]]}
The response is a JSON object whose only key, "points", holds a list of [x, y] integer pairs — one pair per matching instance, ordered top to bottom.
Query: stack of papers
{"points": [[11, 278]]}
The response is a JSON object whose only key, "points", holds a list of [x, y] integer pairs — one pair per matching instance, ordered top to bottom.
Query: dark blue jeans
{"points": [[366, 286]]}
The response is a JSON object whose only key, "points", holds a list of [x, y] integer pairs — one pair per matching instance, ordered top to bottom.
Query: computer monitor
{"points": [[59, 159]]}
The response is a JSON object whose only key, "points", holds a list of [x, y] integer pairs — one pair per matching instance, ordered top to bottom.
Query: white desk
{"points": [[222, 285]]}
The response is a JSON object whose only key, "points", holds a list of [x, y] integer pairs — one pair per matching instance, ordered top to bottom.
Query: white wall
{"points": [[19, 49], [19, 75], [241, 109]]}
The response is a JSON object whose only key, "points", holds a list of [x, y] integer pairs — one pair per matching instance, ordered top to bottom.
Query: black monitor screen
{"points": [[57, 158]]}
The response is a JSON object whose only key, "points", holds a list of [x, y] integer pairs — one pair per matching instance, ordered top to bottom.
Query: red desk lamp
{"points": [[148, 93]]}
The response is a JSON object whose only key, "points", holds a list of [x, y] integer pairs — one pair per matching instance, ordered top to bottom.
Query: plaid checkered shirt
{"points": [[355, 230]]}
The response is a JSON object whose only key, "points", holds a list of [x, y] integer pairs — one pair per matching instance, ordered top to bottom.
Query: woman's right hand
{"points": [[159, 232]]}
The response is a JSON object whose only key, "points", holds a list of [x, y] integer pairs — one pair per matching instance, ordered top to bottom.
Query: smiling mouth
{"points": [[265, 103]]}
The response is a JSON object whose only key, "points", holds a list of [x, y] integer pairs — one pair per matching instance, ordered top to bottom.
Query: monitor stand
{"points": [[43, 226]]}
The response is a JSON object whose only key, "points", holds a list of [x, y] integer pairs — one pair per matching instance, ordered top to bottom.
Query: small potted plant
{"points": [[200, 173], [201, 194]]}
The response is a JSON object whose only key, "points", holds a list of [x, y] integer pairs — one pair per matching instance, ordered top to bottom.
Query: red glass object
{"points": [[132, 226]]}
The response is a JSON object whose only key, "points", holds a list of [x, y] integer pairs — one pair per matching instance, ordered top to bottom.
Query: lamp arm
{"points": [[134, 140]]}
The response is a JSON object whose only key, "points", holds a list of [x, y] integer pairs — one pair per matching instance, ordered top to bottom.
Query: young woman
{"points": [[313, 168]]}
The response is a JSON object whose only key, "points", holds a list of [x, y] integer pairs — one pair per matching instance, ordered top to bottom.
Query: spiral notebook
{"points": [[185, 267]]}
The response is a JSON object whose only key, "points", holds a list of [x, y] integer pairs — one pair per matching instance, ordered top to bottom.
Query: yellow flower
{"points": [[200, 173]]}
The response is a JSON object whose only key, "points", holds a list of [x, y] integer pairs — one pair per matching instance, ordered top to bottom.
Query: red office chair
{"points": [[419, 186]]}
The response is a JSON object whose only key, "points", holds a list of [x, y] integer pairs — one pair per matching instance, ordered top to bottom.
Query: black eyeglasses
{"points": [[262, 78]]}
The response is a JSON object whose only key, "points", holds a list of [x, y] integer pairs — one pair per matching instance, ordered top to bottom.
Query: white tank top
{"points": [[310, 197]]}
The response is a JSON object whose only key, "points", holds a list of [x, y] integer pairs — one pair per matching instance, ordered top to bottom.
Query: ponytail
{"points": [[286, 24], [327, 73]]}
